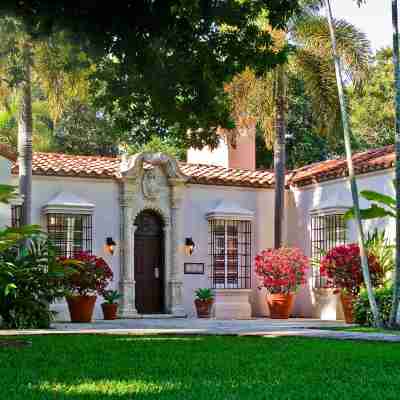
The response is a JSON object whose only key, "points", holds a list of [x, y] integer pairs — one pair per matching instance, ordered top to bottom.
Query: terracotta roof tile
{"points": [[8, 152], [367, 161], [56, 164]]}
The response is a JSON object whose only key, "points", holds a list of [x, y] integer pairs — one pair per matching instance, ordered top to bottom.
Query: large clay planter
{"points": [[347, 304], [280, 305], [81, 308], [203, 308], [109, 311]]}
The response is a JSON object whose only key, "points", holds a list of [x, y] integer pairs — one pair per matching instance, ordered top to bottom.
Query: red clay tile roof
{"points": [[7, 151], [367, 161], [54, 164], [214, 175]]}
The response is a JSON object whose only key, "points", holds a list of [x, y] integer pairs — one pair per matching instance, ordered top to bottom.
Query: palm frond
{"points": [[312, 33]]}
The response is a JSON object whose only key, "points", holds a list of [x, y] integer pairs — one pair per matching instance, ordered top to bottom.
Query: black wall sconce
{"points": [[110, 245], [189, 246]]}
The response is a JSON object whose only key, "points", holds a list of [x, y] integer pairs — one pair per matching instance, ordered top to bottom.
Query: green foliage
{"points": [[168, 67], [373, 109], [82, 130], [167, 145], [7, 193], [382, 206], [379, 245], [29, 282], [204, 294], [111, 296], [362, 310]]}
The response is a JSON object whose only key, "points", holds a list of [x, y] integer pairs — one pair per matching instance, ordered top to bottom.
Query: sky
{"points": [[373, 18]]}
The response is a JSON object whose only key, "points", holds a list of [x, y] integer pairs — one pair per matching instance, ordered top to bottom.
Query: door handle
{"points": [[156, 272]]}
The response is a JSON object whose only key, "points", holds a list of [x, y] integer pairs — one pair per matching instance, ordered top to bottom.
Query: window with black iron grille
{"points": [[16, 215], [327, 232], [70, 233], [230, 251]]}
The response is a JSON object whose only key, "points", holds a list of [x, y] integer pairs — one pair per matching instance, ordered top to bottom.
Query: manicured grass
{"points": [[364, 329], [130, 367]]}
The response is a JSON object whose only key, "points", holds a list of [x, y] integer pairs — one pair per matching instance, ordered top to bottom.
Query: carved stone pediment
{"points": [[134, 165]]}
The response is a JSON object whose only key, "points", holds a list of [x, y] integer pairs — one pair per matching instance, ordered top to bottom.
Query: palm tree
{"points": [[310, 57], [396, 61], [25, 133], [352, 177]]}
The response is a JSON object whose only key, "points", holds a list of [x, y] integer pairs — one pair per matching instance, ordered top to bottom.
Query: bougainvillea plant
{"points": [[342, 268], [281, 270], [86, 274]]}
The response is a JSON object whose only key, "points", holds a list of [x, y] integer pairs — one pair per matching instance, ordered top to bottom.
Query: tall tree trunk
{"points": [[25, 135], [279, 156], [352, 178], [396, 277]]}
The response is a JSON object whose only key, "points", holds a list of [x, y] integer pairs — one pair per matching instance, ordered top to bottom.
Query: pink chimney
{"points": [[233, 151]]}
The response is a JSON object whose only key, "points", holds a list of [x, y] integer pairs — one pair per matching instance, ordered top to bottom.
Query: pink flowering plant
{"points": [[342, 268], [281, 270], [86, 274]]}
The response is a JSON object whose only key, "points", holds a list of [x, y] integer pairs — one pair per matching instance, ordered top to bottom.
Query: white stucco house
{"points": [[152, 207]]}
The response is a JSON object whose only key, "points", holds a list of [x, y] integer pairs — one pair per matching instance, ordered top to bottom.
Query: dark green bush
{"points": [[29, 282], [362, 311]]}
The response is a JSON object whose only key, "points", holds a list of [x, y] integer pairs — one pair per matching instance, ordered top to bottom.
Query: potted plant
{"points": [[342, 268], [281, 271], [86, 276], [203, 302], [110, 305]]}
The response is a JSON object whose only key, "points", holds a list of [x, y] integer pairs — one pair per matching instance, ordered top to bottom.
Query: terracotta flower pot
{"points": [[347, 304], [280, 305], [81, 308], [203, 308], [109, 310]]}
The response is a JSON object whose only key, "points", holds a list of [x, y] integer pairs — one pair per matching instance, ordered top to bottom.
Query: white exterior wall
{"points": [[5, 179], [331, 194], [200, 199], [106, 219]]}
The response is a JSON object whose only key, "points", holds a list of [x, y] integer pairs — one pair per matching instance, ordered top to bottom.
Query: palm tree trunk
{"points": [[25, 136], [279, 156], [352, 178], [396, 277]]}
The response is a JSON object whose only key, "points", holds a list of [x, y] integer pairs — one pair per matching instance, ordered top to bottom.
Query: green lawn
{"points": [[364, 329], [191, 367]]}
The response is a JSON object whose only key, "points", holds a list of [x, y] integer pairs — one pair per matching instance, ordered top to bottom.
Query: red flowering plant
{"points": [[342, 268], [281, 270], [86, 274]]}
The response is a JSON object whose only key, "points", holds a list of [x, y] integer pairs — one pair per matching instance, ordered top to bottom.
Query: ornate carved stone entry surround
{"points": [[152, 181]]}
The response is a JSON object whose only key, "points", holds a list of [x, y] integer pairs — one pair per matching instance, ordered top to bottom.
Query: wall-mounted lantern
{"points": [[110, 245], [189, 246]]}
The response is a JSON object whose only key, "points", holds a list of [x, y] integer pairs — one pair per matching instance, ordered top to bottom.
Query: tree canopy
{"points": [[163, 58]]}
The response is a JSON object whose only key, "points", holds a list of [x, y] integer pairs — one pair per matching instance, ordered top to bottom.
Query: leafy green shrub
{"points": [[29, 282], [204, 294], [362, 311]]}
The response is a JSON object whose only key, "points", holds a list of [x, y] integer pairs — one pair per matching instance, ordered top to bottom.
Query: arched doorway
{"points": [[149, 263]]}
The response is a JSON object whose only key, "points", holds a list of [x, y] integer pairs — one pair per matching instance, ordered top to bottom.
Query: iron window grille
{"points": [[16, 215], [327, 232], [70, 233], [230, 251]]}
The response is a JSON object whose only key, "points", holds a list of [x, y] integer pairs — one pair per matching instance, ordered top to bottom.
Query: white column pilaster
{"points": [[175, 283], [127, 307]]}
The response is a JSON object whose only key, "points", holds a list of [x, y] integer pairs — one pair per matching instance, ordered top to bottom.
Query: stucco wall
{"points": [[5, 179], [104, 195], [329, 195], [201, 199]]}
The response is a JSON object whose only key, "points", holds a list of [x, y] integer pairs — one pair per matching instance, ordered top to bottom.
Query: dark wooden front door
{"points": [[149, 263]]}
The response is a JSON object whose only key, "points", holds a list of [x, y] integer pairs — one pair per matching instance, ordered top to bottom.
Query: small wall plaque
{"points": [[193, 268]]}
